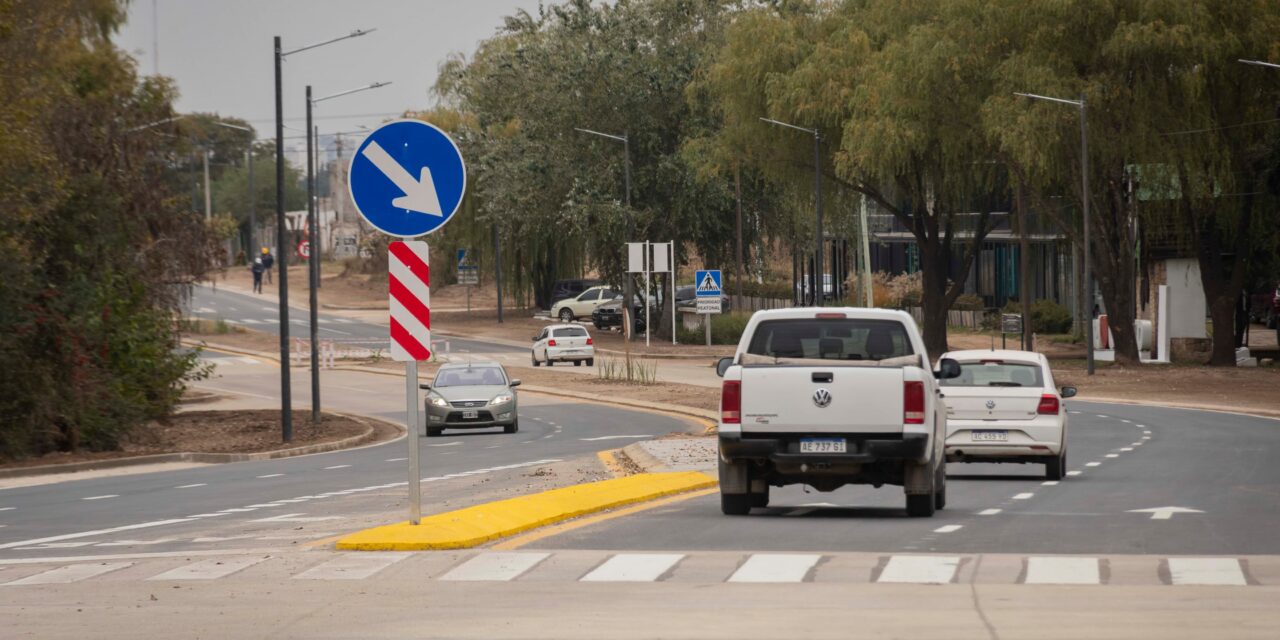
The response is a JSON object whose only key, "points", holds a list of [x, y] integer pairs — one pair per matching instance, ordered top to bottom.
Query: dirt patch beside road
{"points": [[1248, 390], [216, 432]]}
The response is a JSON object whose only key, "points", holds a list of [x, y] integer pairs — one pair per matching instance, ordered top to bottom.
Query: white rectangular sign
{"points": [[635, 257], [661, 258], [468, 276], [709, 305]]}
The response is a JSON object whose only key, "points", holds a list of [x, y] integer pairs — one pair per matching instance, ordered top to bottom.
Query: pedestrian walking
{"points": [[268, 261], [257, 268]]}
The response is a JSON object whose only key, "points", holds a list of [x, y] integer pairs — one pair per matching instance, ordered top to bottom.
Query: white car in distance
{"points": [[583, 304], [563, 343], [1004, 407]]}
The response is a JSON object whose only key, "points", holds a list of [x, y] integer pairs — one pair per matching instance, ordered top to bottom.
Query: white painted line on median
{"points": [[1102, 416], [1146, 433], [1146, 437], [610, 438], [446, 444], [1137, 444], [1126, 448], [1113, 455], [396, 459], [1092, 464], [337, 466], [1074, 473], [271, 475], [1049, 483], [191, 486], [1023, 496], [102, 497], [265, 505], [7, 508], [237, 510], [989, 512], [207, 515], [297, 517], [950, 528], [353, 566], [498, 566], [633, 567], [775, 567], [208, 569], [920, 569], [1059, 570], [1206, 571], [70, 573]]}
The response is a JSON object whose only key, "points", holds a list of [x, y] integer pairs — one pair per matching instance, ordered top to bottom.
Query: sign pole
{"points": [[648, 268], [674, 268], [706, 323], [411, 425]]}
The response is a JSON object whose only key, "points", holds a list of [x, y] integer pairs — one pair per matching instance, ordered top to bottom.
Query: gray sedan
{"points": [[471, 395]]}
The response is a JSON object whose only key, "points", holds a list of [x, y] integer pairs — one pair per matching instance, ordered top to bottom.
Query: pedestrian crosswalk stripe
{"points": [[352, 566], [495, 566], [633, 567], [775, 567], [210, 569], [920, 569], [1062, 570], [1206, 571], [70, 573]]}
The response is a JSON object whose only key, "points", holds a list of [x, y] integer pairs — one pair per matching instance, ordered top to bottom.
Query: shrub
{"points": [[895, 292], [968, 302], [1047, 316], [726, 328]]}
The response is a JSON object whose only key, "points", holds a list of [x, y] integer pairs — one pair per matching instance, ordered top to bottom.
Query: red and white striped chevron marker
{"points": [[409, 284]]}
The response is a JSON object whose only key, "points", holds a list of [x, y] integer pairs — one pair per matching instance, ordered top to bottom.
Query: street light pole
{"points": [[625, 139], [1084, 198], [816, 277], [286, 411]]}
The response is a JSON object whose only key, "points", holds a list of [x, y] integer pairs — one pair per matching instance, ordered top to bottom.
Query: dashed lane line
{"points": [[1092, 464], [337, 466], [1074, 473], [271, 475], [191, 486], [1023, 496], [102, 497], [989, 512], [950, 528]]}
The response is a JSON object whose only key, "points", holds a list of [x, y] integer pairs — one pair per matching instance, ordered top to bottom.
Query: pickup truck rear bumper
{"points": [[862, 448]]}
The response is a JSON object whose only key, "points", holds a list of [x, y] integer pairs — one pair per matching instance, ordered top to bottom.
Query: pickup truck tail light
{"points": [[551, 343], [731, 402], [913, 402], [1049, 405]]}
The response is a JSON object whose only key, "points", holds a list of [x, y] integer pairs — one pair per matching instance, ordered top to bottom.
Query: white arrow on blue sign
{"points": [[407, 178]]}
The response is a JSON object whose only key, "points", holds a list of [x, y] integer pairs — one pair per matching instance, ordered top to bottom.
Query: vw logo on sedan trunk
{"points": [[822, 398], [991, 404]]}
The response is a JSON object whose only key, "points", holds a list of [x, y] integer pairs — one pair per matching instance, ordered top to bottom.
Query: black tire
{"points": [[566, 315], [533, 357], [548, 362], [591, 362], [577, 363], [513, 427], [435, 432], [1056, 468], [940, 488], [760, 500], [735, 504], [923, 505]]}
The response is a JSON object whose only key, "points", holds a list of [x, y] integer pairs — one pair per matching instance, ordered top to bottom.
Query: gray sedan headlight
{"points": [[501, 398], [438, 401]]}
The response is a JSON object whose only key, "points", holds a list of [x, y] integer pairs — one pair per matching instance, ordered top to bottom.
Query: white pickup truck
{"points": [[828, 397]]}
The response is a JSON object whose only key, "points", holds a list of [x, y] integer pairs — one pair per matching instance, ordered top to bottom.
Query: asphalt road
{"points": [[1126, 458]]}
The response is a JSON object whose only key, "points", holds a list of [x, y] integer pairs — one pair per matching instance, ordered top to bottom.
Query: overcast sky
{"points": [[220, 53]]}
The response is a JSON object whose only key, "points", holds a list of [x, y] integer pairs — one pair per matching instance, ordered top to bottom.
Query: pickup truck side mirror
{"points": [[723, 365], [947, 369], [514, 383], [424, 386], [1069, 392]]}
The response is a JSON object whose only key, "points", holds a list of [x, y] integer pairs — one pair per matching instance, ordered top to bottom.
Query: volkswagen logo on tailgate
{"points": [[822, 398]]}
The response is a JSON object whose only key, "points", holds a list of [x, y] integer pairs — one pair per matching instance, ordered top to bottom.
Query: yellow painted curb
{"points": [[482, 523]]}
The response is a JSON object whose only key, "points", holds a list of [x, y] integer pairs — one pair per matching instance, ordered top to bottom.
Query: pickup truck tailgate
{"points": [[782, 399]]}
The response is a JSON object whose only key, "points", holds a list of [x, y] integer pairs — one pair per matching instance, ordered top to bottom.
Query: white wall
{"points": [[1187, 307]]}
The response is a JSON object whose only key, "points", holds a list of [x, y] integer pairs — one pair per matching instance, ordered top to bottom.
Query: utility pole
{"points": [[208, 198], [253, 206], [497, 269], [313, 270], [817, 291], [286, 400]]}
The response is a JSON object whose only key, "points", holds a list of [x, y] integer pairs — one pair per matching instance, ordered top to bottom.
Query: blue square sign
{"points": [[707, 283]]}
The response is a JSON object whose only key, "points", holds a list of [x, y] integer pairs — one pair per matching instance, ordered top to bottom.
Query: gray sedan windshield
{"points": [[470, 376]]}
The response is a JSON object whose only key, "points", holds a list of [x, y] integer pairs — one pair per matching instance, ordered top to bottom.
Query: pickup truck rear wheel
{"points": [[940, 488], [760, 499], [735, 504], [922, 505]]}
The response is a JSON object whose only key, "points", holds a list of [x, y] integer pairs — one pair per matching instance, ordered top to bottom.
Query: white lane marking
{"points": [[272, 309], [205, 310], [271, 320], [344, 320], [248, 321], [344, 333], [1074, 413], [1102, 416], [1126, 421], [1140, 426], [1146, 433], [1146, 437], [610, 438], [446, 444], [1137, 444], [493, 446], [1126, 448], [1113, 455], [396, 459], [1092, 464], [337, 466], [1074, 473], [271, 475], [1049, 483], [191, 486], [1023, 496], [102, 497], [265, 505], [7, 508], [237, 510], [989, 512], [207, 515], [297, 517], [948, 528], [221, 538], [134, 543], [56, 545], [352, 566], [498, 566], [633, 567], [775, 567], [208, 569], [920, 569], [1057, 570], [1206, 571], [70, 573]]}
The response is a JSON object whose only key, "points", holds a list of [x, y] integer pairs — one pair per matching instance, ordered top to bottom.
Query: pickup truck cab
{"points": [[828, 397]]}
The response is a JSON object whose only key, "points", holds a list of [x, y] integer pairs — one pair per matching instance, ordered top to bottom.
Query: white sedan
{"points": [[571, 309], [563, 343], [1004, 407]]}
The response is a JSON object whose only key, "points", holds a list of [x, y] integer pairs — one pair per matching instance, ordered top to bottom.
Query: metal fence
{"points": [[955, 317]]}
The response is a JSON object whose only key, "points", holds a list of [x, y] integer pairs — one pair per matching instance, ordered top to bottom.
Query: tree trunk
{"points": [[737, 194], [1024, 270], [933, 303]]}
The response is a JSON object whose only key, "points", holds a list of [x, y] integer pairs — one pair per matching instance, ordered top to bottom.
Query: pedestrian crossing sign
{"points": [[707, 283]]}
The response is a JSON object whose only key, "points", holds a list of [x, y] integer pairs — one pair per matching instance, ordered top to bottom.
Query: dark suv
{"points": [[564, 289]]}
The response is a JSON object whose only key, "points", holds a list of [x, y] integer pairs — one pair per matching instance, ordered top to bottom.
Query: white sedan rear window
{"points": [[997, 374]]}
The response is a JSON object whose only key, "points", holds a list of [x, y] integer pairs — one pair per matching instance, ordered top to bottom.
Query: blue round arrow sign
{"points": [[407, 178]]}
